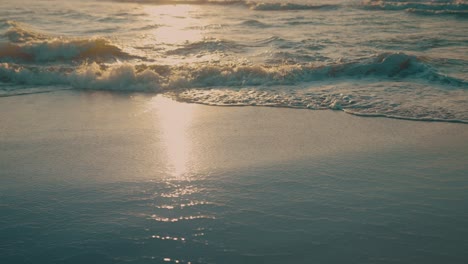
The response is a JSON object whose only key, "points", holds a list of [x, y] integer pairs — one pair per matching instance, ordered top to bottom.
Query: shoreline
{"points": [[178, 99], [305, 129]]}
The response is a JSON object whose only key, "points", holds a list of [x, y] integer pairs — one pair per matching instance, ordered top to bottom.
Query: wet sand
{"points": [[394, 189]]}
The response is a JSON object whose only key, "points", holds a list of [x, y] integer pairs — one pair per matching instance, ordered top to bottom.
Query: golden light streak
{"points": [[177, 24], [175, 119]]}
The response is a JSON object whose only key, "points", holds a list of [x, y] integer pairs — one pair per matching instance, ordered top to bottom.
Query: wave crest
{"points": [[259, 6], [288, 6], [457, 7], [19, 32], [28, 45], [207, 45], [61, 50], [125, 76]]}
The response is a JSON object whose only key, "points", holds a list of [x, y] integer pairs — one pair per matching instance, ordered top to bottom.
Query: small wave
{"points": [[185, 2], [259, 6], [288, 6], [458, 8], [457, 13], [254, 23], [146, 27], [19, 32], [271, 40], [414, 42], [28, 45], [209, 45], [61, 50], [293, 57], [121, 77], [389, 85], [20, 92], [402, 100], [426, 119]]}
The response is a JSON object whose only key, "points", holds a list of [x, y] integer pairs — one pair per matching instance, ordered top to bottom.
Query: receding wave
{"points": [[458, 8], [124, 76], [18, 91], [421, 102]]}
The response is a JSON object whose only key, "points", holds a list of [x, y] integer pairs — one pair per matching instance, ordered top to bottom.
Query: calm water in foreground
{"points": [[99, 178]]}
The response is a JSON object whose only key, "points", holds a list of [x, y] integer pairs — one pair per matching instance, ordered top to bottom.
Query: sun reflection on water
{"points": [[177, 24], [175, 119]]}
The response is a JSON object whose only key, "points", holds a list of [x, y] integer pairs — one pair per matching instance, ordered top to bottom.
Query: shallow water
{"points": [[383, 58], [105, 178], [285, 214]]}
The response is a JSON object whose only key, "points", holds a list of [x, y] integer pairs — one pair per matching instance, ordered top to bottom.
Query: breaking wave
{"points": [[19, 32], [27, 45], [155, 78], [393, 85]]}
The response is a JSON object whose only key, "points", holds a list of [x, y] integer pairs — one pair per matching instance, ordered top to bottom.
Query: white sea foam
{"points": [[246, 53], [386, 65], [140, 77], [269, 85]]}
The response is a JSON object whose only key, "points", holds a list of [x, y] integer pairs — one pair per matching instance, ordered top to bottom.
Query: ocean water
{"points": [[403, 59], [108, 177], [103, 178]]}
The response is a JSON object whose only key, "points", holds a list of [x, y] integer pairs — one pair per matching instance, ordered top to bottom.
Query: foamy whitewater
{"points": [[376, 58]]}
